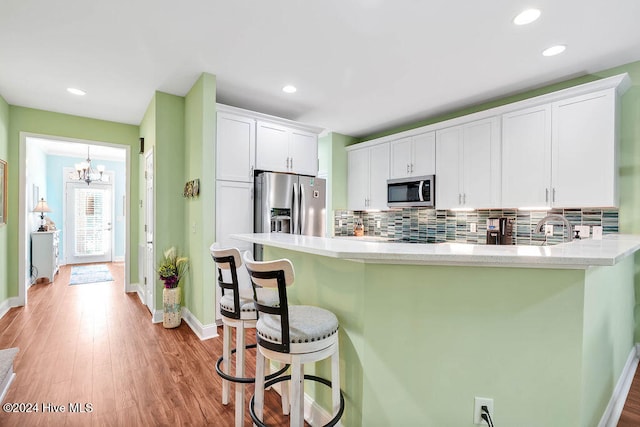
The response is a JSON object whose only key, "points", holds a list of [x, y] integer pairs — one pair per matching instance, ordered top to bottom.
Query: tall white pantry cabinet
{"points": [[247, 141], [45, 254]]}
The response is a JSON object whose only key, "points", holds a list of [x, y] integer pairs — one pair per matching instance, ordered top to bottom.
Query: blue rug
{"points": [[90, 274]]}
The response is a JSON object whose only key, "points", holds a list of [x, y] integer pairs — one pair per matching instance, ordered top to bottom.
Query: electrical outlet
{"points": [[339, 223], [378, 223], [473, 227], [548, 230], [477, 409]]}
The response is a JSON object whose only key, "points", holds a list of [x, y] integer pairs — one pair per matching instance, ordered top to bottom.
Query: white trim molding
{"points": [[134, 287], [8, 304], [157, 316], [204, 332], [613, 410], [314, 414]]}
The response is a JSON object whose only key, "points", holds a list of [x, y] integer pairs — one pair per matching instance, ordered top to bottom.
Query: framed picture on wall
{"points": [[4, 175]]}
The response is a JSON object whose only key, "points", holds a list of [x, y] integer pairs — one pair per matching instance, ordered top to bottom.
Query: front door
{"points": [[89, 230]]}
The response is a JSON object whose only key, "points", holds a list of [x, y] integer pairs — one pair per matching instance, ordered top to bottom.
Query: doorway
{"points": [[35, 167], [88, 222]]}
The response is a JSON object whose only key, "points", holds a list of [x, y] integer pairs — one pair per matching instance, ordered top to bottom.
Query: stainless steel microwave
{"points": [[415, 191]]}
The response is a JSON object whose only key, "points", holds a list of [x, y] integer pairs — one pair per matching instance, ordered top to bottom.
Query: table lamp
{"points": [[42, 207]]}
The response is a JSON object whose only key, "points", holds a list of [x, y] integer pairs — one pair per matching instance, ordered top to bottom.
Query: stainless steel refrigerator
{"points": [[286, 203]]}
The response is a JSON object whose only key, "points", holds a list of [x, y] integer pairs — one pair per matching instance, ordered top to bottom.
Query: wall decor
{"points": [[4, 175], [191, 188]]}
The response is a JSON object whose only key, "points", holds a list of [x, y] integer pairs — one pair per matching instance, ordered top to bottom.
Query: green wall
{"points": [[63, 125], [333, 161], [169, 165], [199, 230], [4, 241], [418, 343]]}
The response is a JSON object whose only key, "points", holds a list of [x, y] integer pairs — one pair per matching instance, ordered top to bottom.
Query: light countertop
{"points": [[579, 254]]}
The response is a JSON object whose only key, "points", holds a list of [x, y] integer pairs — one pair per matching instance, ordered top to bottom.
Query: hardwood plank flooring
{"points": [[95, 344]]}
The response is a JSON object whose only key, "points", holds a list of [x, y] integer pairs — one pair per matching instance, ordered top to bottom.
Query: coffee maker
{"points": [[499, 231]]}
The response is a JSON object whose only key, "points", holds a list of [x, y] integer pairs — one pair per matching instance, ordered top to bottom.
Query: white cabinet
{"points": [[236, 144], [284, 149], [562, 154], [413, 156], [526, 157], [468, 165], [584, 167], [368, 171], [234, 212], [44, 253]]}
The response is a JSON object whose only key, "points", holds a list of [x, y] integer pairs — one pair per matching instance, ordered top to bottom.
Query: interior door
{"points": [[149, 215], [89, 227]]}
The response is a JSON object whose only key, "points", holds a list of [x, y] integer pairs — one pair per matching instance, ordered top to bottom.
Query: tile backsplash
{"points": [[423, 225]]}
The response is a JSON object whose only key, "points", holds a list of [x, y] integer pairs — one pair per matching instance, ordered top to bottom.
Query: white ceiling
{"points": [[361, 66]]}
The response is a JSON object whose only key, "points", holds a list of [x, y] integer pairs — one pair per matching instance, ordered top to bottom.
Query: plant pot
{"points": [[172, 310]]}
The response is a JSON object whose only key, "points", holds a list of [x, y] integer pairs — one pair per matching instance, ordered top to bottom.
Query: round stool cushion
{"points": [[226, 302], [309, 328]]}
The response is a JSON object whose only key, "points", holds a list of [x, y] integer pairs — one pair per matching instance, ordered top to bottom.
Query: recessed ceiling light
{"points": [[526, 17], [554, 50], [289, 89], [75, 91]]}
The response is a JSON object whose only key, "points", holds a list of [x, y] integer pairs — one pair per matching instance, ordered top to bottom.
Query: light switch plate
{"points": [[473, 227], [597, 232]]}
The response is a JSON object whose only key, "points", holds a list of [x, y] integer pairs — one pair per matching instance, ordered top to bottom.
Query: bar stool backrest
{"points": [[228, 259], [272, 274]]}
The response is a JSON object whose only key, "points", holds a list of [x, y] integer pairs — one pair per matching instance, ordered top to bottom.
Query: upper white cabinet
{"points": [[236, 144], [284, 149], [554, 150], [562, 154], [413, 156], [526, 157], [468, 165], [584, 167], [368, 171]]}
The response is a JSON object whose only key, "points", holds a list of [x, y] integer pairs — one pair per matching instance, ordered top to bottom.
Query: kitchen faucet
{"points": [[554, 217]]}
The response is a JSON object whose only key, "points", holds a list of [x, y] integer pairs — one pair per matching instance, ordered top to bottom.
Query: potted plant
{"points": [[171, 270]]}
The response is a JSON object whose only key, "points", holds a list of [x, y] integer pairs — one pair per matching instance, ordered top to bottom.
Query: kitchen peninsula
{"points": [[544, 331]]}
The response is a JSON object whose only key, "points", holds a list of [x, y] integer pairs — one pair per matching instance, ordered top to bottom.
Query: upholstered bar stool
{"points": [[238, 311], [292, 334]]}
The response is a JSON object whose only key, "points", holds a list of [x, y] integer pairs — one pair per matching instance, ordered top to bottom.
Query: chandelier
{"points": [[87, 173]]}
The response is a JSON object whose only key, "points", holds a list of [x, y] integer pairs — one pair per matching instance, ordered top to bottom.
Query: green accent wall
{"points": [[63, 125], [333, 162], [169, 165], [199, 227], [4, 233], [418, 343]]}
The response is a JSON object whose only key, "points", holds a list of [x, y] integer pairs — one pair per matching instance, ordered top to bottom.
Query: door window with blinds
{"points": [[89, 220]]}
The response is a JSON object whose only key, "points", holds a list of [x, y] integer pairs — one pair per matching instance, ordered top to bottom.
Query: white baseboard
{"points": [[133, 287], [8, 304], [157, 316], [204, 332], [613, 410]]}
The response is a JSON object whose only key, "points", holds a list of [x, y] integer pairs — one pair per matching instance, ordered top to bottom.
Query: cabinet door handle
{"points": [[287, 163], [292, 163], [407, 167], [411, 167], [251, 172], [546, 194], [553, 196], [459, 198], [464, 198]]}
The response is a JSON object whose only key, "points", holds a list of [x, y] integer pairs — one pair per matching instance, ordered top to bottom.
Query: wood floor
{"points": [[94, 344]]}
